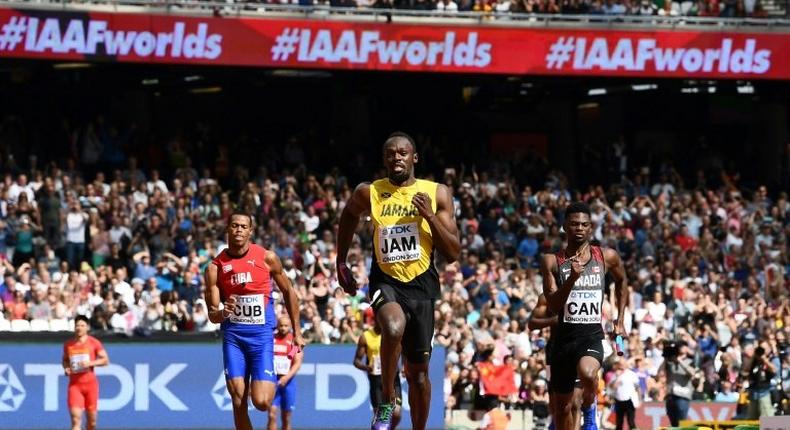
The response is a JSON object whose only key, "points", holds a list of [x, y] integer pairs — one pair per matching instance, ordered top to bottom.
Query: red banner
{"points": [[324, 44], [497, 380], [653, 415]]}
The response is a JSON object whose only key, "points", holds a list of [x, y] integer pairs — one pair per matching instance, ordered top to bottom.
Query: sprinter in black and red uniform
{"points": [[573, 283], [238, 293]]}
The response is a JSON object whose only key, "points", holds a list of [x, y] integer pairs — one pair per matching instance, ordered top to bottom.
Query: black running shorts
{"points": [[418, 334], [565, 359]]}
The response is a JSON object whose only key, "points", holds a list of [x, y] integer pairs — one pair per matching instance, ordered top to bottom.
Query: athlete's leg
{"points": [[392, 320], [260, 356], [588, 369], [588, 373], [239, 391], [91, 393], [262, 393], [419, 393], [76, 402], [577, 407], [564, 411], [398, 412], [396, 416], [93, 417], [286, 417], [76, 418], [272, 424]]}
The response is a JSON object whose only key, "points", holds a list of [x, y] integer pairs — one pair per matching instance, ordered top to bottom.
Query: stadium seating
{"points": [[20, 325], [39, 325], [60, 325]]}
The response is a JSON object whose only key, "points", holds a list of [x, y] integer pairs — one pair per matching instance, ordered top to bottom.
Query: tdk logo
{"points": [[12, 393], [220, 394]]}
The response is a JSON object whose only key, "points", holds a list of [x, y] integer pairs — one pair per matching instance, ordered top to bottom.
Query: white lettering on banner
{"points": [[81, 36], [360, 47], [627, 54], [323, 372], [51, 373], [125, 381], [158, 386], [137, 387], [12, 392], [323, 401], [654, 415]]}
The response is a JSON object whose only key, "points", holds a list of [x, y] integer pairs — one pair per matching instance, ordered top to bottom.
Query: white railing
{"points": [[230, 8]]}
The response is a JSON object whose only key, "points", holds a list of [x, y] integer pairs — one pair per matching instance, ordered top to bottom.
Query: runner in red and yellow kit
{"points": [[80, 355]]}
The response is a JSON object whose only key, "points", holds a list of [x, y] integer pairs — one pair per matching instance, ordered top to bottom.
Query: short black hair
{"points": [[401, 135], [577, 207], [241, 213], [81, 317]]}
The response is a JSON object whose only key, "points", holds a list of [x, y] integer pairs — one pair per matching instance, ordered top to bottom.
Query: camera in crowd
{"points": [[671, 349]]}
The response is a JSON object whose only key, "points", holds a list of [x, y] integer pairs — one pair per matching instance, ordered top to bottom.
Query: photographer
{"points": [[760, 368], [679, 371]]}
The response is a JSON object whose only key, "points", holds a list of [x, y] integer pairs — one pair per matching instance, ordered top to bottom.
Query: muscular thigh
{"points": [[418, 335]]}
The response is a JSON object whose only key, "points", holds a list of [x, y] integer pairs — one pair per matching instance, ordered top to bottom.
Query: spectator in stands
{"points": [[446, 6], [76, 224]]}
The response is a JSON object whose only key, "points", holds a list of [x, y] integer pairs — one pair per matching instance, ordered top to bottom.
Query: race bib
{"points": [[399, 242], [583, 307], [250, 309], [76, 360], [282, 365], [377, 365]]}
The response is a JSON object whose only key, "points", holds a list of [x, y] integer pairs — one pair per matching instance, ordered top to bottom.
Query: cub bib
{"points": [[250, 309]]}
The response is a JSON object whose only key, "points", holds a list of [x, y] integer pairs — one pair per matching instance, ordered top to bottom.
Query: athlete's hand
{"points": [[422, 201], [576, 268], [346, 278], [230, 306], [619, 328], [298, 343], [282, 382]]}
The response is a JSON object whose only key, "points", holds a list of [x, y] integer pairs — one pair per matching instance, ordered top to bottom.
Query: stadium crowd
{"points": [[663, 8], [702, 8], [706, 260]]}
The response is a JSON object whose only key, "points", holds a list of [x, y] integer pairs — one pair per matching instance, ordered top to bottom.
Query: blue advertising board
{"points": [[181, 386]]}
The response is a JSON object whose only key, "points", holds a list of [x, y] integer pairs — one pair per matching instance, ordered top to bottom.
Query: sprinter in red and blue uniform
{"points": [[239, 296]]}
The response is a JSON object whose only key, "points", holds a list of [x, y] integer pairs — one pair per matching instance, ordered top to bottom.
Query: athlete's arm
{"points": [[357, 204], [443, 227], [615, 267], [289, 295], [556, 297], [215, 315], [540, 317], [362, 344], [102, 359], [65, 361], [295, 365]]}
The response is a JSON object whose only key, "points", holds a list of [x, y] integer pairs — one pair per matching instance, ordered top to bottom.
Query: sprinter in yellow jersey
{"points": [[412, 218], [369, 349]]}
